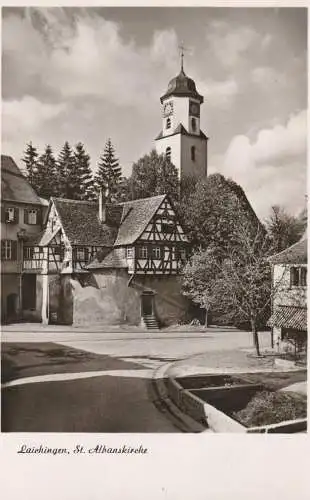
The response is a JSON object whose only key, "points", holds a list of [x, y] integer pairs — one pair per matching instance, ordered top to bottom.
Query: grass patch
{"points": [[271, 408]]}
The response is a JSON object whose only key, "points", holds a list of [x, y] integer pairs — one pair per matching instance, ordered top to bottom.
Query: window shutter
{"points": [[16, 215], [3, 216], [25, 216], [39, 216], [2, 249], [14, 250], [86, 254]]}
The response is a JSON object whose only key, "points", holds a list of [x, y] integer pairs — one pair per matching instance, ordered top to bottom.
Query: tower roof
{"points": [[182, 86]]}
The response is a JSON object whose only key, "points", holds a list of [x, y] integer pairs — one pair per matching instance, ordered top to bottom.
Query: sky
{"points": [[89, 74]]}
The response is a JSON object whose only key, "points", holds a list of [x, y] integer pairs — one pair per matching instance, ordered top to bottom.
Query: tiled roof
{"points": [[14, 186], [136, 216], [81, 223], [296, 254], [114, 259], [289, 317]]}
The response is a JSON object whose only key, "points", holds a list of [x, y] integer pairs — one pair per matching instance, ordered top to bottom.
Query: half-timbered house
{"points": [[110, 264]]}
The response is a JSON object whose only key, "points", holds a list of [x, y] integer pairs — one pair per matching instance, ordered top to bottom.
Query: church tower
{"points": [[181, 139]]}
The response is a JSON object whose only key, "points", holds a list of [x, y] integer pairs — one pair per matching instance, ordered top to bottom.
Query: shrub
{"points": [[270, 408]]}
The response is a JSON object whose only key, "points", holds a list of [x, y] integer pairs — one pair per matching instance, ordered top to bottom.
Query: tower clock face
{"points": [[168, 108], [194, 108]]}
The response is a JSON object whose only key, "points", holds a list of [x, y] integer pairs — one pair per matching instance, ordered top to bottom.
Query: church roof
{"points": [[182, 86], [180, 129], [14, 185], [81, 223]]}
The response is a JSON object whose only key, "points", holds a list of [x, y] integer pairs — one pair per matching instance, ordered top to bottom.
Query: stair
{"points": [[150, 322]]}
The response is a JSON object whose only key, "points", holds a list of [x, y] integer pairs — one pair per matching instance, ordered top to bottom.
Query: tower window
{"points": [[168, 123], [194, 127], [168, 153], [193, 153]]}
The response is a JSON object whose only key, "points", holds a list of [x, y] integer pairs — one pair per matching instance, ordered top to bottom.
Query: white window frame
{"points": [[9, 214], [32, 217], [7, 250], [29, 252], [129, 253], [143, 253], [156, 253]]}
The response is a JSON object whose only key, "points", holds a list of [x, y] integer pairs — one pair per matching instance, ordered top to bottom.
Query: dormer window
{"points": [[168, 123], [168, 153], [193, 153]]}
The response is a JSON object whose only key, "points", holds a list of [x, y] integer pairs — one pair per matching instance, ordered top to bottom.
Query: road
{"points": [[93, 382]]}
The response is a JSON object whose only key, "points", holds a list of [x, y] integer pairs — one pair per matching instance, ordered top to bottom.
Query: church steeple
{"points": [[181, 138]]}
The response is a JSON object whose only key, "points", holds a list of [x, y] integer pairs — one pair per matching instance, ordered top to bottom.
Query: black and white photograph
{"points": [[153, 222]]}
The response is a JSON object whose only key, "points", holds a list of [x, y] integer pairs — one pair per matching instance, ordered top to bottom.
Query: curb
{"points": [[165, 404]]}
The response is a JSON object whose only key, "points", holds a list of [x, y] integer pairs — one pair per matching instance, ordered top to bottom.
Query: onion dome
{"points": [[182, 86]]}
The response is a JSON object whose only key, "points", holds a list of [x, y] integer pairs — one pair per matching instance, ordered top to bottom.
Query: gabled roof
{"points": [[180, 129], [14, 186], [136, 216], [81, 224], [296, 254]]}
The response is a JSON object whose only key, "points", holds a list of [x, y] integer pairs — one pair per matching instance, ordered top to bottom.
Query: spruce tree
{"points": [[30, 159], [84, 173], [109, 173], [46, 178], [68, 182]]}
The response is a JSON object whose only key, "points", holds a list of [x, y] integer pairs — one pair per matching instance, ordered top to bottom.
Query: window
{"points": [[168, 123], [194, 127], [168, 153], [193, 153], [9, 215], [32, 217], [8, 250], [28, 253], [129, 253], [142, 253], [156, 253], [298, 276], [303, 276]]}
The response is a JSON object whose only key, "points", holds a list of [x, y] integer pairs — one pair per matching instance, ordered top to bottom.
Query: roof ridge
{"points": [[143, 199], [68, 200]]}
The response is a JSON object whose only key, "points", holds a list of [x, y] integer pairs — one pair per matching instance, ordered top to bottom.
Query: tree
{"points": [[30, 159], [109, 173], [84, 174], [67, 175], [152, 175], [45, 179], [209, 212], [284, 229], [237, 282]]}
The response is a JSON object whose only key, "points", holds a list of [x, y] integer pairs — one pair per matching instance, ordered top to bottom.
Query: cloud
{"points": [[229, 45], [55, 52], [220, 94], [27, 115], [271, 169]]}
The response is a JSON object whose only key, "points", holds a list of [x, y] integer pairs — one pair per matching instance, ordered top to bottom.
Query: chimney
{"points": [[102, 211]]}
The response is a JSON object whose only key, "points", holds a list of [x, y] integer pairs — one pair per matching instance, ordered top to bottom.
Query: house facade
{"points": [[21, 222], [110, 264], [289, 304]]}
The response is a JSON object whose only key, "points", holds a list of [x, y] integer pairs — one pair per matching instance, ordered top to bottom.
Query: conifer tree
{"points": [[30, 159], [84, 173], [109, 173], [46, 178], [68, 182]]}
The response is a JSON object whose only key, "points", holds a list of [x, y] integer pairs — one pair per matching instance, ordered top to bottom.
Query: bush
{"points": [[270, 408]]}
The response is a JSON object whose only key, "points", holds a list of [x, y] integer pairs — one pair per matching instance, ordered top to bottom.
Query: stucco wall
{"points": [[284, 294]]}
